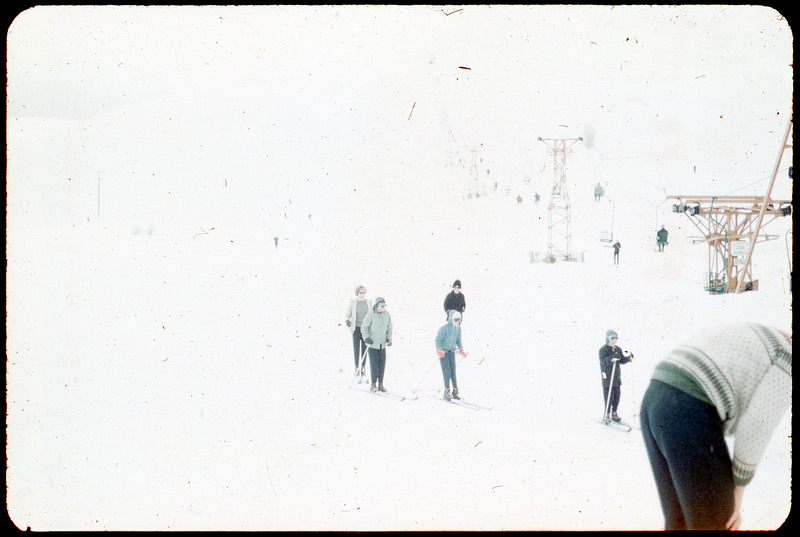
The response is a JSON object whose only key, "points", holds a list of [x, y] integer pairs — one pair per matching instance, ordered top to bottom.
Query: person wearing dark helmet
{"points": [[611, 356]]}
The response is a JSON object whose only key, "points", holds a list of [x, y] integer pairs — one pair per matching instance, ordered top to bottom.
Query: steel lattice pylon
{"points": [[559, 218], [726, 222], [731, 223]]}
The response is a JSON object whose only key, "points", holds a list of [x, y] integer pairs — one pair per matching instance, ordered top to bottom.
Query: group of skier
{"points": [[371, 328], [733, 380]]}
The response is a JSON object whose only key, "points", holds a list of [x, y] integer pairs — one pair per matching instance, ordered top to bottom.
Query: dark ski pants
{"points": [[358, 346], [377, 364], [448, 364], [616, 393], [686, 446]]}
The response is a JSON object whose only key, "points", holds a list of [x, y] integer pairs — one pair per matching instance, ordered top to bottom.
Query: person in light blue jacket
{"points": [[377, 331], [448, 342]]}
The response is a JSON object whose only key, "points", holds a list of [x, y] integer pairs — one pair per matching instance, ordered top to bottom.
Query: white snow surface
{"points": [[170, 368], [182, 380]]}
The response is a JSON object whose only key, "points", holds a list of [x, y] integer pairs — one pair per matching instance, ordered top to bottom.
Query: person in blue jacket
{"points": [[377, 332], [448, 342]]}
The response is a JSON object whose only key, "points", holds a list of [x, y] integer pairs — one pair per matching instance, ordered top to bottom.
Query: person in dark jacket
{"points": [[662, 236], [617, 246], [455, 300], [610, 357]]}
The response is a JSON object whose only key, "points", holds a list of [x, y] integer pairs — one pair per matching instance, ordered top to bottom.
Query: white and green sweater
{"points": [[745, 371]]}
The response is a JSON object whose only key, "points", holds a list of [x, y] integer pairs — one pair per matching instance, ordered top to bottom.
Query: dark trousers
{"points": [[358, 346], [377, 364], [448, 364], [616, 393], [686, 446]]}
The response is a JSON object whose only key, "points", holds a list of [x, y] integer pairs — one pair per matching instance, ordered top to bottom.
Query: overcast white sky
{"points": [[675, 87]]}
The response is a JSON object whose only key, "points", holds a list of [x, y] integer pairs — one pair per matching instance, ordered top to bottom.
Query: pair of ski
{"points": [[361, 372], [362, 379], [387, 394], [467, 404], [607, 419]]}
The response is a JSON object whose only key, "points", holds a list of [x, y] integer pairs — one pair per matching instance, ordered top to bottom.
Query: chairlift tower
{"points": [[474, 174], [559, 217], [731, 226]]}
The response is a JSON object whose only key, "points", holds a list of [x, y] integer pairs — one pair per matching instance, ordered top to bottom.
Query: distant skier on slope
{"points": [[617, 246], [455, 300], [377, 332], [448, 342], [610, 357], [732, 380]]}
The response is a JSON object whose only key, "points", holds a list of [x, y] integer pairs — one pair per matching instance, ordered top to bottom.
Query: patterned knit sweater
{"points": [[745, 371]]}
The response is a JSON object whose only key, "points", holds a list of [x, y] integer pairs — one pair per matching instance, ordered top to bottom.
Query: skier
{"points": [[662, 235], [276, 242], [617, 246], [455, 300], [357, 309], [377, 332], [448, 342], [610, 357], [732, 380]]}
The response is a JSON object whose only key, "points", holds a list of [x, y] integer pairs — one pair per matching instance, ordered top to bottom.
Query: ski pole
{"points": [[364, 357], [424, 377], [610, 388]]}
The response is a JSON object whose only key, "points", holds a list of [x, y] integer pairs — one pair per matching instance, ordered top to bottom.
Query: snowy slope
{"points": [[169, 367], [199, 378]]}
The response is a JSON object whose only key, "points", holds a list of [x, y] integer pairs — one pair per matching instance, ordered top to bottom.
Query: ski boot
{"points": [[373, 388], [381, 388], [454, 394], [447, 396], [615, 417]]}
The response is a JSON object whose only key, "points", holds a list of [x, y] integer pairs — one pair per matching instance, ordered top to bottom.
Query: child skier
{"points": [[455, 300], [448, 342], [610, 358]]}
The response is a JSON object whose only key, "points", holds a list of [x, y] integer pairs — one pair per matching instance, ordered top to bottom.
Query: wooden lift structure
{"points": [[731, 226]]}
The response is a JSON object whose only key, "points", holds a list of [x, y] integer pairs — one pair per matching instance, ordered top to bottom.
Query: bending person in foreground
{"points": [[735, 380]]}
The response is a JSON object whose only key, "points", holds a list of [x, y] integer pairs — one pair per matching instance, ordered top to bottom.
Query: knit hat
{"points": [[457, 283], [379, 302], [610, 334]]}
